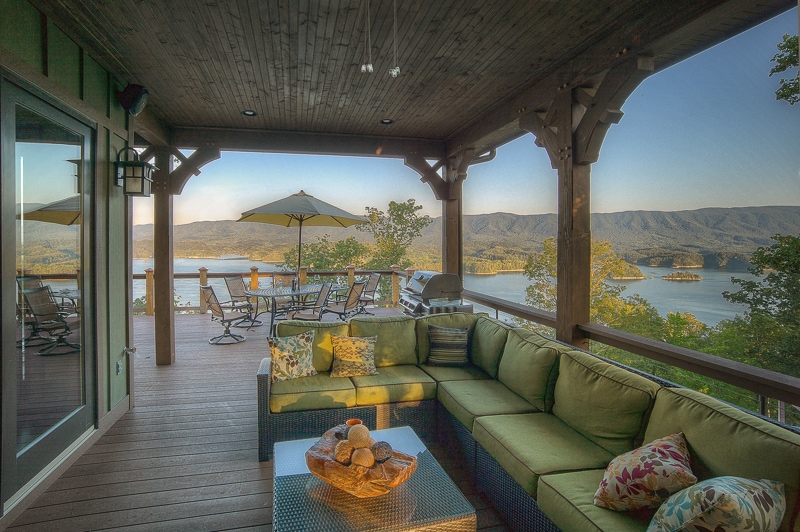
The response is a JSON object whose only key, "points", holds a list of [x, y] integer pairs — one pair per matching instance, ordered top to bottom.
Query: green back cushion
{"points": [[455, 320], [488, 340], [395, 343], [323, 349], [529, 367], [607, 404], [724, 440]]}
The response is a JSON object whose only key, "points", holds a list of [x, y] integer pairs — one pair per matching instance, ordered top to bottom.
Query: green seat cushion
{"points": [[453, 320], [396, 339], [488, 341], [322, 347], [529, 367], [455, 373], [394, 384], [318, 391], [467, 400], [607, 404], [725, 441], [528, 446], [567, 499]]}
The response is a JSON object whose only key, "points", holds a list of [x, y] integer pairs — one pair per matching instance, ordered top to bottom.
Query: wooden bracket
{"points": [[190, 166]]}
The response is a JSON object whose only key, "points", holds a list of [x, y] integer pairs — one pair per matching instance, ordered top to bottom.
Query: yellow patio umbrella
{"points": [[298, 210], [65, 211]]}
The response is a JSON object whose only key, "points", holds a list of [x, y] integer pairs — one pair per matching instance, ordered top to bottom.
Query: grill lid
{"points": [[433, 285]]}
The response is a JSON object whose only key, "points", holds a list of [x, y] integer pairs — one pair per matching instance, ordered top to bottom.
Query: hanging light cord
{"points": [[367, 66], [396, 70]]}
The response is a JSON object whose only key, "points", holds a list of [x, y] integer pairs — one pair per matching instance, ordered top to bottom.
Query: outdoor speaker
{"points": [[133, 98]]}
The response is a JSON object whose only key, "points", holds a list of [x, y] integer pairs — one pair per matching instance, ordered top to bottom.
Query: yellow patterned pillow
{"points": [[353, 356], [645, 477]]}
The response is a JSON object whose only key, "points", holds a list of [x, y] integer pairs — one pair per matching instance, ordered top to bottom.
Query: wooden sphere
{"points": [[359, 436], [362, 457]]}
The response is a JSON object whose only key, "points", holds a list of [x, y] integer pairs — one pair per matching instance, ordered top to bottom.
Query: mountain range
{"points": [[718, 234]]}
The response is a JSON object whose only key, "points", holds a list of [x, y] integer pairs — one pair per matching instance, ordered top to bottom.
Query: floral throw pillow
{"points": [[448, 346], [292, 356], [353, 356], [644, 477], [723, 504]]}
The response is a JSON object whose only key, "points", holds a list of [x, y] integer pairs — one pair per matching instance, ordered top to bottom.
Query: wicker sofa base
{"points": [[452, 434], [519, 510]]}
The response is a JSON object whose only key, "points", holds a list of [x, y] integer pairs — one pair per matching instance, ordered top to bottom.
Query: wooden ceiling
{"points": [[469, 68]]}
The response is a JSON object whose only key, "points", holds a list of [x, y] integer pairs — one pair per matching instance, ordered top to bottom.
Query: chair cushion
{"points": [[453, 320], [396, 339], [488, 341], [448, 346], [323, 349], [292, 356], [353, 356], [529, 367], [455, 373], [394, 384], [320, 391], [469, 399], [607, 404], [725, 441], [530, 445], [645, 477], [566, 498], [723, 503]]}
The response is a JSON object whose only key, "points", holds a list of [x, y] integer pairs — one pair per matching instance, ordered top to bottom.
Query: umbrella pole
{"points": [[299, 248]]}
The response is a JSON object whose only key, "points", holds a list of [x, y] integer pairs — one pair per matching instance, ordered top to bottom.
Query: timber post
{"points": [[163, 258], [302, 275], [351, 275], [253, 277], [203, 282], [395, 284], [149, 291]]}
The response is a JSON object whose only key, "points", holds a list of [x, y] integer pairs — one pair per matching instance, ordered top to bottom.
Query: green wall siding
{"points": [[21, 32], [63, 61], [95, 85], [117, 266]]}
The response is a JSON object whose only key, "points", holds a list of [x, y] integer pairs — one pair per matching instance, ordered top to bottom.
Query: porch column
{"points": [[572, 130], [447, 189], [162, 257]]}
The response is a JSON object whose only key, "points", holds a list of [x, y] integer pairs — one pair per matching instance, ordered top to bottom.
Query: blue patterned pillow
{"points": [[292, 356], [723, 504]]}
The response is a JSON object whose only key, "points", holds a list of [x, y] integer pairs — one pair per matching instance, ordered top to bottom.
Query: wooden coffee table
{"points": [[427, 501]]}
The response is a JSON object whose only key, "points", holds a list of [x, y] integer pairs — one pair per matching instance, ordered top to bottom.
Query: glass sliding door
{"points": [[47, 393]]}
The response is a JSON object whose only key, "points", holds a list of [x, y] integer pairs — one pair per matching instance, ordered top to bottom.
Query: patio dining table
{"points": [[272, 294]]}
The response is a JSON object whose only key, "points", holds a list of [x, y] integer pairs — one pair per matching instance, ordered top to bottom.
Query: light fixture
{"points": [[366, 66], [394, 72], [133, 98], [249, 112], [386, 121], [134, 176]]}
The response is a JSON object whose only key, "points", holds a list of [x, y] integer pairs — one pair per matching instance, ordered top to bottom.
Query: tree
{"points": [[786, 59], [394, 231], [324, 255], [772, 319]]}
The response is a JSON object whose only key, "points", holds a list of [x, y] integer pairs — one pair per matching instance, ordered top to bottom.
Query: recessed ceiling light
{"points": [[249, 112], [386, 121]]}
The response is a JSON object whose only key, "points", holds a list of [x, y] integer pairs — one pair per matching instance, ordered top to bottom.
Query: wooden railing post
{"points": [[410, 273], [303, 274], [351, 275], [253, 277], [78, 279], [203, 282], [395, 285], [149, 292]]}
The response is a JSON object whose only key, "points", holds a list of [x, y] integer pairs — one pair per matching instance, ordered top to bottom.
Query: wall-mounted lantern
{"points": [[134, 176]]}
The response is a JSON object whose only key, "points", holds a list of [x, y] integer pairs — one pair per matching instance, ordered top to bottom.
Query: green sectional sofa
{"points": [[536, 421]]}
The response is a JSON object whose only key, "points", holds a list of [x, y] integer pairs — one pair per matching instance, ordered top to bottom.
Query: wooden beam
{"points": [[149, 127], [305, 143], [190, 166], [162, 258]]}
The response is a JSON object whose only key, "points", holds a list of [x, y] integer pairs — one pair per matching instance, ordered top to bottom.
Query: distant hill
{"points": [[712, 236]]}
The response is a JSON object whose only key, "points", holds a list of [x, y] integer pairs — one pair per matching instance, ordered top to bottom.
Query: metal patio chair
{"points": [[368, 295], [240, 302], [349, 306], [313, 310], [48, 318], [225, 318]]}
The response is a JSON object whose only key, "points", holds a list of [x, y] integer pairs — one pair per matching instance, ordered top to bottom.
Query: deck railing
{"points": [[765, 384]]}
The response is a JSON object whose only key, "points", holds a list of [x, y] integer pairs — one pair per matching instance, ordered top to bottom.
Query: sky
{"points": [[706, 132]]}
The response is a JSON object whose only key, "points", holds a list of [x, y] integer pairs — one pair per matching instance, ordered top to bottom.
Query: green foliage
{"points": [[787, 59], [394, 231], [324, 255], [683, 276]]}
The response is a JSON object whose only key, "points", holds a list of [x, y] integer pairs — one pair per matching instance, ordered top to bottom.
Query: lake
{"points": [[701, 298]]}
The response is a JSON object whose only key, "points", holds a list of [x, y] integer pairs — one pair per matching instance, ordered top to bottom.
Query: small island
{"points": [[682, 276]]}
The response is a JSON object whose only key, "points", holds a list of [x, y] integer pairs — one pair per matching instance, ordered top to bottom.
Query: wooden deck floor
{"points": [[185, 457]]}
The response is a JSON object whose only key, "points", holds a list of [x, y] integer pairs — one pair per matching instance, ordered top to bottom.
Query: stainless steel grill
{"points": [[429, 292]]}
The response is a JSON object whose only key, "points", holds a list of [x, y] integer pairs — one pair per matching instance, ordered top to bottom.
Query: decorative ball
{"points": [[359, 436], [382, 451], [343, 452], [363, 457]]}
